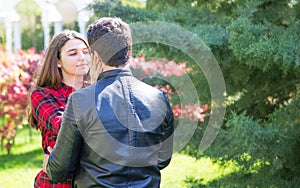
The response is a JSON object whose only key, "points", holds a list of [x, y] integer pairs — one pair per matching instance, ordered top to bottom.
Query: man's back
{"points": [[117, 132], [127, 133]]}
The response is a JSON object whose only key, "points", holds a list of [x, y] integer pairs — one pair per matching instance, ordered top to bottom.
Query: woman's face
{"points": [[74, 59]]}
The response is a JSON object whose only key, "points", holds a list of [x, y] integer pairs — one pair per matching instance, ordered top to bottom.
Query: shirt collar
{"points": [[114, 73], [65, 89]]}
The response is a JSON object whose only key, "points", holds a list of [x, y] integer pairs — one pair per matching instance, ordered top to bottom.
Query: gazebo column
{"points": [[83, 14], [50, 15], [12, 18], [82, 19], [82, 26], [58, 27], [8, 33], [46, 33], [17, 36]]}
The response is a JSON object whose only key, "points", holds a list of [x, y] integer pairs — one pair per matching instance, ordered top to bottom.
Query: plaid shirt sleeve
{"points": [[46, 109]]}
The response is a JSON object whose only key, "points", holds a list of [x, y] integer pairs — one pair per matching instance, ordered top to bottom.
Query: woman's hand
{"points": [[96, 67], [46, 158]]}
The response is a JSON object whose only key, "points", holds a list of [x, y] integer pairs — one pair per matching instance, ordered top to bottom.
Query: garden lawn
{"points": [[25, 160], [184, 166], [20, 167]]}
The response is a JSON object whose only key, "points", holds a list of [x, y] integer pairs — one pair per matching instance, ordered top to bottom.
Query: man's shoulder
{"points": [[146, 87], [86, 92]]}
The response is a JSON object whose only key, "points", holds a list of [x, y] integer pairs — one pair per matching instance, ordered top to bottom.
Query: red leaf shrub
{"points": [[167, 69], [15, 80]]}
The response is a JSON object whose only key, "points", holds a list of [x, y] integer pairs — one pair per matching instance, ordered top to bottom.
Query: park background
{"points": [[255, 42]]}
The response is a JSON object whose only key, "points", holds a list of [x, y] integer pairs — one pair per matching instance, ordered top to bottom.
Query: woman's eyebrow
{"points": [[76, 49]]}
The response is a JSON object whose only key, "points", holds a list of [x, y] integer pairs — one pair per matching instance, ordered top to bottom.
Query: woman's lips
{"points": [[81, 65]]}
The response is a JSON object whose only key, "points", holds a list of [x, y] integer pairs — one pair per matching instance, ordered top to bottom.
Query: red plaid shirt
{"points": [[48, 106]]}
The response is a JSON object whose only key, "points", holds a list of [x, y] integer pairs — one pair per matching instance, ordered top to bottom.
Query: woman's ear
{"points": [[59, 64]]}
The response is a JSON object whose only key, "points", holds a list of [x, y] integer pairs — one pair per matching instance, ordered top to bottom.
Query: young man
{"points": [[118, 132]]}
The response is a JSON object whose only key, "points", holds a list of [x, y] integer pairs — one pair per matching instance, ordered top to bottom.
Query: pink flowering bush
{"points": [[154, 68], [15, 80]]}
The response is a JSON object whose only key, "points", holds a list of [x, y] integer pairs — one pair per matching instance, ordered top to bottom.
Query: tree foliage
{"points": [[256, 45]]}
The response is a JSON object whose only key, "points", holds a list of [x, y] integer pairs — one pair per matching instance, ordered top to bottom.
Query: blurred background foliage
{"points": [[255, 43]]}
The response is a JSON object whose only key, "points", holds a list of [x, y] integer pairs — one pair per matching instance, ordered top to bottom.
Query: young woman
{"points": [[64, 69]]}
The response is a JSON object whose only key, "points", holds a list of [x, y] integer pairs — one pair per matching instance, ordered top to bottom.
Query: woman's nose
{"points": [[81, 55]]}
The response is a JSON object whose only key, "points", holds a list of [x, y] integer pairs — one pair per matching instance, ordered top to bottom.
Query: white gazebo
{"points": [[50, 15]]}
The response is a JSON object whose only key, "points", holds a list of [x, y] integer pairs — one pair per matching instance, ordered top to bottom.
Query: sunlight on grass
{"points": [[24, 142], [183, 166], [20, 167], [22, 177]]}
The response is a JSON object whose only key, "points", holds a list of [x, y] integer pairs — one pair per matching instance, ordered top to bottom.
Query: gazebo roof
{"points": [[57, 12]]}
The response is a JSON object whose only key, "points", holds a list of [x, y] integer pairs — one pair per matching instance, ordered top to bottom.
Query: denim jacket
{"points": [[117, 132]]}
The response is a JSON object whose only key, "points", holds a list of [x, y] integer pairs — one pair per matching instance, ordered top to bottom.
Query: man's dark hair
{"points": [[111, 38]]}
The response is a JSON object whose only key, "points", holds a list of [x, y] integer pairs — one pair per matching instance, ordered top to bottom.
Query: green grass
{"points": [[25, 160], [184, 166], [20, 167]]}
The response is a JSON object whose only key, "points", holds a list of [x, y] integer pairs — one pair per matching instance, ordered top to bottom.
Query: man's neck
{"points": [[107, 68]]}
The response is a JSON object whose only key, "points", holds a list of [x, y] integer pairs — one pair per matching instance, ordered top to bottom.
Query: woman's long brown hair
{"points": [[48, 74]]}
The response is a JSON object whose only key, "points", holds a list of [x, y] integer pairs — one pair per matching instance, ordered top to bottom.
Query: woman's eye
{"points": [[75, 52], [72, 53]]}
